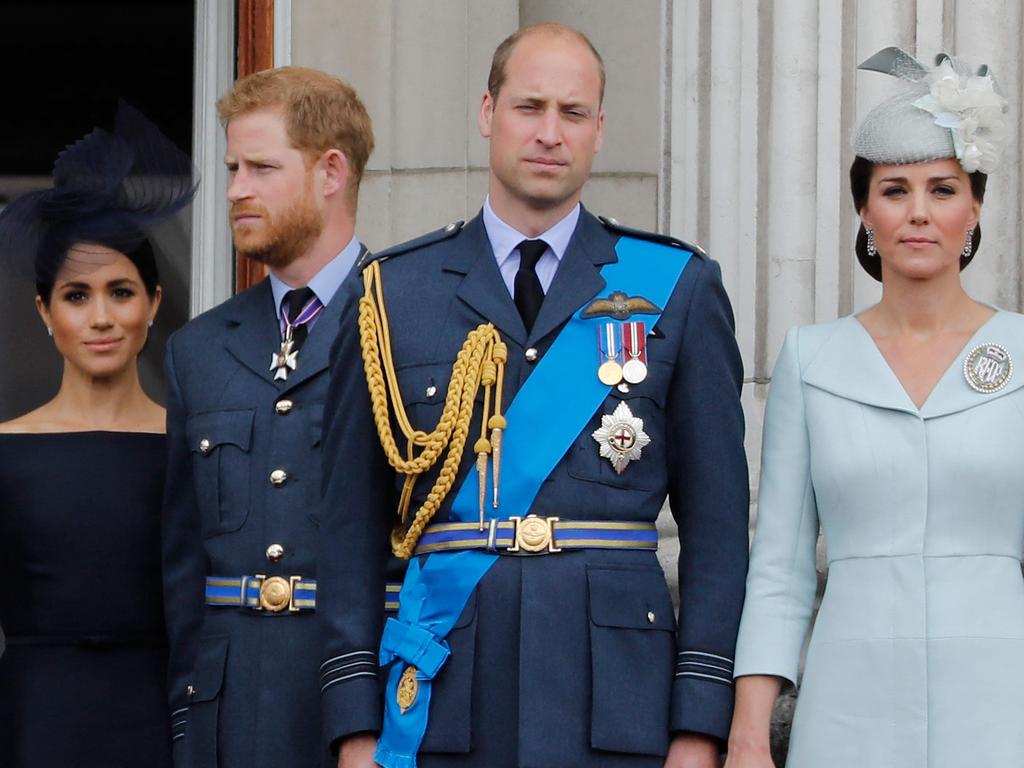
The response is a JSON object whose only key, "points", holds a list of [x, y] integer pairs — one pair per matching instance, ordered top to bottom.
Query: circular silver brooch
{"points": [[988, 368]]}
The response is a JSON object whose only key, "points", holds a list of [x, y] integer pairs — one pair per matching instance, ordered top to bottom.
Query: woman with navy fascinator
{"points": [[899, 433], [82, 680]]}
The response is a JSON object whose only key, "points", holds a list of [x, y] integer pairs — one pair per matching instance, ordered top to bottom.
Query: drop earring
{"points": [[968, 245], [871, 249], [149, 323], [49, 331]]}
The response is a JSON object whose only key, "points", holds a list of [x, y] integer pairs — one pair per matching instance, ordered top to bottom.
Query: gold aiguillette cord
{"points": [[481, 360]]}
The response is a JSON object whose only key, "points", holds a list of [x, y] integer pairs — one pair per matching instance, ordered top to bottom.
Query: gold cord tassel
{"points": [[481, 360]]}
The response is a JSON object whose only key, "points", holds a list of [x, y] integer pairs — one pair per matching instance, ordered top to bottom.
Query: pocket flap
{"points": [[425, 384], [220, 428], [630, 598], [209, 673]]}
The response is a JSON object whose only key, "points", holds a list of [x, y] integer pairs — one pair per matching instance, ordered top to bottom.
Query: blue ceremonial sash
{"points": [[434, 595]]}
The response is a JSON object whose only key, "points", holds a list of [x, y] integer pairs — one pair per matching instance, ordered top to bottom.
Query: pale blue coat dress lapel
{"points": [[917, 653]]}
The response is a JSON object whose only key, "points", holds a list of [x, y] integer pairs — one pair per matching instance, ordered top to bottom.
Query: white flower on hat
{"points": [[970, 107]]}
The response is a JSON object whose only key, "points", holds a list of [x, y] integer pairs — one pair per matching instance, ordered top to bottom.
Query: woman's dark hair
{"points": [[860, 182], [136, 249]]}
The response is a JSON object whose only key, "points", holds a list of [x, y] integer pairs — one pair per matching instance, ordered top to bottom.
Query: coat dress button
{"points": [[531, 355], [283, 406], [204, 446], [278, 477], [275, 552]]}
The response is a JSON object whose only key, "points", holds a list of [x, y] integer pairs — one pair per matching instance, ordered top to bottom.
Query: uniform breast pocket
{"points": [[423, 389], [221, 444], [646, 469], [632, 648]]}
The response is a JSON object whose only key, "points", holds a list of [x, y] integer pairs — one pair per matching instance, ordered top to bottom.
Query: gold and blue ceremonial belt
{"points": [[533, 535], [275, 593]]}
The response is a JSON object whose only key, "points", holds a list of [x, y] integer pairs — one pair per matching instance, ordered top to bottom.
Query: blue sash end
{"points": [[415, 646]]}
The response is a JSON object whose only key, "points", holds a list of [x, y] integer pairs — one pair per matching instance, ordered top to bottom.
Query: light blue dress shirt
{"points": [[504, 239], [325, 283]]}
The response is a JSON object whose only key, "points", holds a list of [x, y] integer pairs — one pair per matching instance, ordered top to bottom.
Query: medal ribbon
{"points": [[313, 308], [608, 338], [635, 341], [435, 593]]}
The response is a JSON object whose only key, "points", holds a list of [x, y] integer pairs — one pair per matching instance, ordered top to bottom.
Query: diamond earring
{"points": [[968, 245], [871, 249], [49, 331]]}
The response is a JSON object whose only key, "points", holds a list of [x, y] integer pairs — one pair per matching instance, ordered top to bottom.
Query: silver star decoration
{"points": [[284, 360], [621, 437]]}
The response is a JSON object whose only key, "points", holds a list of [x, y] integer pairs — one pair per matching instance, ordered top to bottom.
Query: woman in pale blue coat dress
{"points": [[900, 432]]}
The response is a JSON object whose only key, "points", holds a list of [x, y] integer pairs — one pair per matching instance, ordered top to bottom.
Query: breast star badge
{"points": [[621, 437]]}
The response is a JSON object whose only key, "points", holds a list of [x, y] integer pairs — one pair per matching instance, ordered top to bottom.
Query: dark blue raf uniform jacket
{"points": [[575, 658], [255, 699]]}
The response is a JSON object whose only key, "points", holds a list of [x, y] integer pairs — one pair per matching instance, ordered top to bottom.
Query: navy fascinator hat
{"points": [[108, 189]]}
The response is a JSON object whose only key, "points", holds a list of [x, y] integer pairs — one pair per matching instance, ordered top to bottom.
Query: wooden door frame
{"points": [[255, 52]]}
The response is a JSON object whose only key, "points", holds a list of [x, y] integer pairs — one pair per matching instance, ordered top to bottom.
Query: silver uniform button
{"points": [[451, 227], [531, 355], [431, 390], [283, 406], [204, 446], [278, 477], [275, 552], [650, 617], [190, 690]]}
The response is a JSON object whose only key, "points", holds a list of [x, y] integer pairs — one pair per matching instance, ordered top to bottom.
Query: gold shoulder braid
{"points": [[480, 361]]}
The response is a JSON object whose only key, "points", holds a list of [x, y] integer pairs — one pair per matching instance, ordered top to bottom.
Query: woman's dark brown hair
{"points": [[860, 182]]}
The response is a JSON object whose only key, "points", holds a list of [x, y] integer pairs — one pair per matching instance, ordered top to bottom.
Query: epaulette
{"points": [[641, 234], [411, 245]]}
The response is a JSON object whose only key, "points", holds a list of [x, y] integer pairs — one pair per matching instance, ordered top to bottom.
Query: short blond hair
{"points": [[321, 112]]}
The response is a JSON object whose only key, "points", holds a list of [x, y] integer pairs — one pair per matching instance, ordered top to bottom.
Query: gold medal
{"points": [[610, 370], [610, 373]]}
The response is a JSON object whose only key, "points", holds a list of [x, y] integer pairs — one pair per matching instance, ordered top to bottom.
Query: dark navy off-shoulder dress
{"points": [[82, 679]]}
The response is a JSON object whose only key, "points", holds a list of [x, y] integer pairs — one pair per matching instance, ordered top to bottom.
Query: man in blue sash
{"points": [[541, 380]]}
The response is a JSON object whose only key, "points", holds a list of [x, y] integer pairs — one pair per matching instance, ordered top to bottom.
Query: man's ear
{"points": [[483, 119], [335, 170]]}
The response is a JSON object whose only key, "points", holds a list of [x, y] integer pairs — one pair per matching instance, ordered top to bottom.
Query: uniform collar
{"points": [[504, 237], [326, 282]]}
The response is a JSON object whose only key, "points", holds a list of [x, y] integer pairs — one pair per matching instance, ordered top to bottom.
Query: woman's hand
{"points": [[749, 736], [692, 750]]}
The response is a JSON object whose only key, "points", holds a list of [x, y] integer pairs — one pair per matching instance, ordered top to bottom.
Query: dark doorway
{"points": [[68, 64]]}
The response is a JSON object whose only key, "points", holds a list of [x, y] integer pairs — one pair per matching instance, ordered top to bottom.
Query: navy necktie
{"points": [[529, 294], [292, 305]]}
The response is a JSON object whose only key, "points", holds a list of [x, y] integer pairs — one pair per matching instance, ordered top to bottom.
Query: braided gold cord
{"points": [[480, 360]]}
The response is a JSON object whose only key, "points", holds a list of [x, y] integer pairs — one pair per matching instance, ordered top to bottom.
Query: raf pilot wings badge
{"points": [[620, 306]]}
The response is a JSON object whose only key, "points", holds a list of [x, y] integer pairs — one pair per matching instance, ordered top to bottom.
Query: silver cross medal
{"points": [[286, 359]]}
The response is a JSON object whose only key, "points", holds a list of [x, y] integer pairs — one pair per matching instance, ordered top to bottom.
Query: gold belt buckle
{"points": [[534, 534], [277, 593]]}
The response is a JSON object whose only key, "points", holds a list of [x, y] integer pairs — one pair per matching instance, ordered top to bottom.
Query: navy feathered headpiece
{"points": [[108, 188]]}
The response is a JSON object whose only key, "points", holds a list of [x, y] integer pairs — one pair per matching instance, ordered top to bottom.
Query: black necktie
{"points": [[528, 292], [293, 303]]}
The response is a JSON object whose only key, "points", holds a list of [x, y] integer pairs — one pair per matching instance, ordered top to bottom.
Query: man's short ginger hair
{"points": [[499, 63], [321, 112]]}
